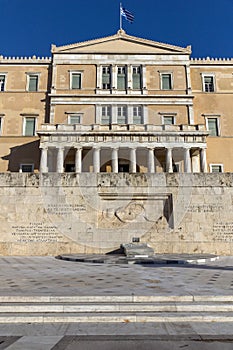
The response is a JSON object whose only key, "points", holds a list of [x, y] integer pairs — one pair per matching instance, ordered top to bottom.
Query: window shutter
{"points": [[76, 81], [136, 81], [2, 82], [121, 82], [166, 82], [33, 83], [75, 119], [168, 120], [212, 126], [29, 127]]}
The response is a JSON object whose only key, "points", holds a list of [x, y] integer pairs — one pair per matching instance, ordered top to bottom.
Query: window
{"points": [[106, 77], [137, 77], [76, 78], [121, 78], [33, 80], [166, 81], [2, 82], [208, 83], [106, 115], [121, 115], [137, 115], [1, 119], [74, 119], [168, 120], [29, 126], [213, 126], [26, 168], [216, 168]]}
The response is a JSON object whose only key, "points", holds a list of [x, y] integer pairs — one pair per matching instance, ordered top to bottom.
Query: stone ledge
{"points": [[113, 180]]}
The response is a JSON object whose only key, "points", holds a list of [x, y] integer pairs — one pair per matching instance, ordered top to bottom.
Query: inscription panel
{"points": [[64, 208], [204, 208], [223, 231], [35, 232]]}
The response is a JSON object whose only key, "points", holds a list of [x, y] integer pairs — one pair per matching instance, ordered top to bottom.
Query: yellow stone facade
{"points": [[116, 104]]}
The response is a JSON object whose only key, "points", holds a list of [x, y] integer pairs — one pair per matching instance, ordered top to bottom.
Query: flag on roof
{"points": [[127, 14]]}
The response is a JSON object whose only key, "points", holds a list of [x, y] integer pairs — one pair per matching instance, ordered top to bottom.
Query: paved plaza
{"points": [[49, 276], [41, 277]]}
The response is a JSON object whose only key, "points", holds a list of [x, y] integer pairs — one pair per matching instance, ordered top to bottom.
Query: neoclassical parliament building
{"points": [[116, 104]]}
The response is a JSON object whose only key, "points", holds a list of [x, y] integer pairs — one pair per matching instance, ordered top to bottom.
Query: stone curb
{"points": [[116, 318]]}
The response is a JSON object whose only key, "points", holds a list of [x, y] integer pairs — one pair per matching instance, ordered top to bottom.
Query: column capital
{"points": [[45, 147]]}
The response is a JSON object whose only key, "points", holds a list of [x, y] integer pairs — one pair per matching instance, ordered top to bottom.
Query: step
{"points": [[114, 299], [115, 307], [114, 317]]}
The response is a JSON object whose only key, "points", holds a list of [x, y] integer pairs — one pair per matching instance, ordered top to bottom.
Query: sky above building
{"points": [[29, 27]]}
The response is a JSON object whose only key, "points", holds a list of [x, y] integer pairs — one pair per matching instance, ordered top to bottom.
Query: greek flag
{"points": [[128, 15]]}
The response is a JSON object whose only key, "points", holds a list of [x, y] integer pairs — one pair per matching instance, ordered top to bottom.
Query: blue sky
{"points": [[30, 27]]}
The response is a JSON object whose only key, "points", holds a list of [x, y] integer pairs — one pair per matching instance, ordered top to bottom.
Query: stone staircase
{"points": [[115, 309]]}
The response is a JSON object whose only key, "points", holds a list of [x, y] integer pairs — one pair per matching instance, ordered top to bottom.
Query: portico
{"points": [[146, 149]]}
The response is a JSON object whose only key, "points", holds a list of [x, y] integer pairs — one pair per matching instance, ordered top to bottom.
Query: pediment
{"points": [[121, 43]]}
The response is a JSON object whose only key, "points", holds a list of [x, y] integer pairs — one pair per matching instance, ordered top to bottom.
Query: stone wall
{"points": [[48, 214]]}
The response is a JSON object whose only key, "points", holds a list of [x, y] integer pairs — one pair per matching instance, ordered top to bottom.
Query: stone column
{"points": [[99, 76], [114, 76], [143, 76], [129, 77], [114, 114], [60, 159], [44, 160], [78, 160], [96, 160], [115, 160], [150, 160], [203, 160], [133, 161], [187, 161], [169, 168]]}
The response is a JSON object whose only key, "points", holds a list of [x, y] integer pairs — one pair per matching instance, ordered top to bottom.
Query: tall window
{"points": [[106, 77], [121, 78], [137, 78], [33, 80], [76, 80], [166, 81], [2, 82], [208, 83], [106, 115], [121, 115], [137, 115], [0, 125], [29, 126], [213, 126]]}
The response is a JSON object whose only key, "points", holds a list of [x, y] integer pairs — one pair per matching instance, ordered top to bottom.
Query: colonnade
{"points": [[96, 159]]}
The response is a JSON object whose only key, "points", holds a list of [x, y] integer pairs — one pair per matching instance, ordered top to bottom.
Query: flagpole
{"points": [[120, 18]]}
